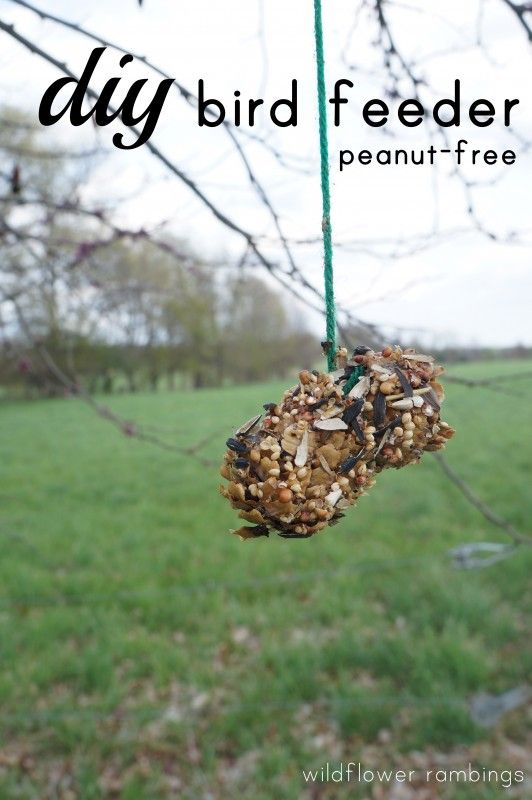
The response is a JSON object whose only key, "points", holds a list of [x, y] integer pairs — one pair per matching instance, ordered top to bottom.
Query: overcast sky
{"points": [[468, 289]]}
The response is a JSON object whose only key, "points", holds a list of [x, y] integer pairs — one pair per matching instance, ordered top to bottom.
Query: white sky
{"points": [[468, 290]]}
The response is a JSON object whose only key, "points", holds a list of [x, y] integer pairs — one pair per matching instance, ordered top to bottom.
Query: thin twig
{"points": [[286, 279], [126, 427], [487, 512]]}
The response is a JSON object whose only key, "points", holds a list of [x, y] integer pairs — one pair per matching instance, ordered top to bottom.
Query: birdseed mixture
{"points": [[312, 455]]}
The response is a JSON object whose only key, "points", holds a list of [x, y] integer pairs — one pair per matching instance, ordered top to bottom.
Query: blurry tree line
{"points": [[119, 309]]}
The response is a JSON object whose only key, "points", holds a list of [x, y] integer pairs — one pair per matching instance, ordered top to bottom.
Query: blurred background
{"points": [[152, 300]]}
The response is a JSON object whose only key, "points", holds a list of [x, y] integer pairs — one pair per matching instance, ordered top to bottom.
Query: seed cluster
{"points": [[317, 451]]}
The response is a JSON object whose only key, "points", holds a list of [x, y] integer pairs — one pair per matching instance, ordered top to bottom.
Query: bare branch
{"points": [[521, 10], [285, 278], [516, 536]]}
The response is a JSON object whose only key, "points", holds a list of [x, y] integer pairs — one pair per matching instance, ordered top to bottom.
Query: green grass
{"points": [[143, 647]]}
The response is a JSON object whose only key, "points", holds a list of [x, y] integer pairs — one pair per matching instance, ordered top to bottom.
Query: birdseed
{"points": [[319, 449]]}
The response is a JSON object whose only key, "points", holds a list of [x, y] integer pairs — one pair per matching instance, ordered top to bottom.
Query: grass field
{"points": [[146, 653]]}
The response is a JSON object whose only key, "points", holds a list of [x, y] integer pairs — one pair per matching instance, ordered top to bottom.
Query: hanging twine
{"points": [[330, 311]]}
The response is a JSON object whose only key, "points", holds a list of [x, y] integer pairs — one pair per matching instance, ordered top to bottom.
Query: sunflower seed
{"points": [[380, 369], [405, 383], [361, 388], [391, 397], [431, 398], [403, 405], [379, 409], [335, 411], [352, 411], [332, 424], [393, 424], [248, 426], [387, 434], [236, 446], [302, 451], [350, 462], [251, 533]]}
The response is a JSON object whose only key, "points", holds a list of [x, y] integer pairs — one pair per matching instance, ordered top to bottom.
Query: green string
{"points": [[330, 311], [353, 379]]}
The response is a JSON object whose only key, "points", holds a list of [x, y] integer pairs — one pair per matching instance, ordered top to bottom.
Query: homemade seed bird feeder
{"points": [[296, 468]]}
